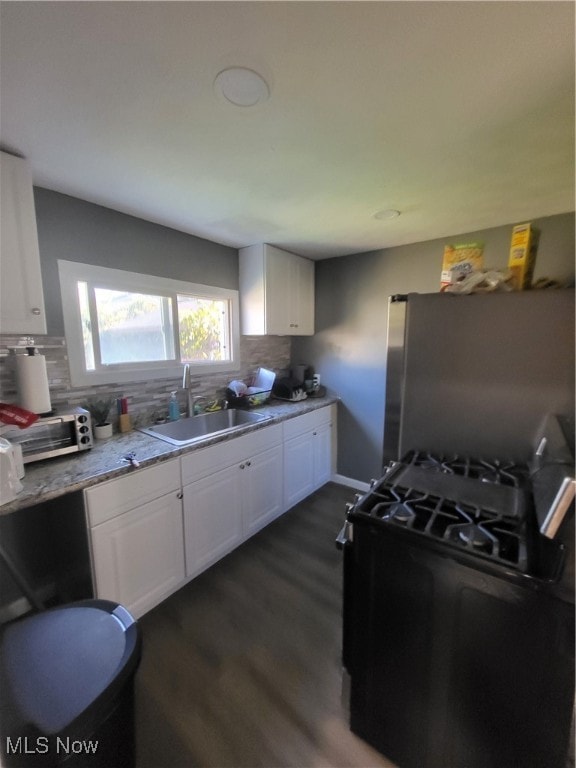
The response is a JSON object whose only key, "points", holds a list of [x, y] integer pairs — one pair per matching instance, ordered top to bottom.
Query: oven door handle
{"points": [[345, 537]]}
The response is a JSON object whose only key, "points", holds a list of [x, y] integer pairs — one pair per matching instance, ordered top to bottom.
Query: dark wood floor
{"points": [[241, 668]]}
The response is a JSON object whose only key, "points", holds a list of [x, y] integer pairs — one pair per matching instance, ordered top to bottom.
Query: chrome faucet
{"points": [[186, 386], [191, 401]]}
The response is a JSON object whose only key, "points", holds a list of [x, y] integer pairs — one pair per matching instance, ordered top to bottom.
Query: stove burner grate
{"points": [[496, 472], [407, 508], [472, 529]]}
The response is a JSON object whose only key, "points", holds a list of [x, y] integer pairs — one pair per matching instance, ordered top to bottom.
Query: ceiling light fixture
{"points": [[241, 86], [387, 213]]}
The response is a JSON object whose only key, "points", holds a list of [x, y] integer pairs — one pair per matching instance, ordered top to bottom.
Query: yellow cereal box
{"points": [[522, 256], [460, 261]]}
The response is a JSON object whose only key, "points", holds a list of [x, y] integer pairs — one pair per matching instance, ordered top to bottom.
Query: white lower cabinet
{"points": [[322, 443], [308, 454], [298, 469], [236, 489], [262, 489], [212, 518], [135, 526], [156, 528], [138, 556]]}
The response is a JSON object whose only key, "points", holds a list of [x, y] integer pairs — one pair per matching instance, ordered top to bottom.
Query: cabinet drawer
{"points": [[305, 423], [209, 460], [110, 499]]}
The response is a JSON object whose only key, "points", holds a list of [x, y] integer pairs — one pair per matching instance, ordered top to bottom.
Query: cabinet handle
{"points": [[35, 311], [314, 433], [248, 463], [241, 466], [179, 495]]}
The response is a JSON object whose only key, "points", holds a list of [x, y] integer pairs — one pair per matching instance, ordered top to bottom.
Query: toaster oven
{"points": [[69, 430]]}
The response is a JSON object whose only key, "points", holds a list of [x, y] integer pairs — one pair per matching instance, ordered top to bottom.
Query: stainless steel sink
{"points": [[204, 425]]}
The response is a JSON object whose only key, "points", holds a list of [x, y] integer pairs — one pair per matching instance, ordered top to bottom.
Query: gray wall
{"points": [[75, 230], [348, 349]]}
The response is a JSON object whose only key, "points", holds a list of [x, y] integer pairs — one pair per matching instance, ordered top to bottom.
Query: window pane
{"points": [[86, 326], [133, 327], [204, 329]]}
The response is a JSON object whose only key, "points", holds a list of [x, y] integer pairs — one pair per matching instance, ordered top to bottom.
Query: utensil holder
{"points": [[124, 422]]}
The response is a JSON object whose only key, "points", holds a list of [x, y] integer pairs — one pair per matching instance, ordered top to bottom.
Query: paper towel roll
{"points": [[32, 382]]}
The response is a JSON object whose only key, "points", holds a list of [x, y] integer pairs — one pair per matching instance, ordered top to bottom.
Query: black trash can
{"points": [[67, 687]]}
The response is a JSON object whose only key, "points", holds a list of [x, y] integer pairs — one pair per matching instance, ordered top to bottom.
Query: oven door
{"points": [[389, 656], [453, 666]]}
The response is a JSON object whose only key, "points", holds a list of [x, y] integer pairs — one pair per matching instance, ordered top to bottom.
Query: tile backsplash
{"points": [[147, 400]]}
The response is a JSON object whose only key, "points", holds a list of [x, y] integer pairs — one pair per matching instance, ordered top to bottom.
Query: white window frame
{"points": [[72, 272]]}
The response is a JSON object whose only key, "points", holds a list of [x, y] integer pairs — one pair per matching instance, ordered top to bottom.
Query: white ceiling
{"points": [[458, 114]]}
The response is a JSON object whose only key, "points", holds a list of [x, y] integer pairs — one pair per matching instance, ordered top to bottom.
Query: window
{"points": [[123, 326]]}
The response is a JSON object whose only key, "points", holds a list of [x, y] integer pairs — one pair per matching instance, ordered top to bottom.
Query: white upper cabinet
{"points": [[276, 292], [21, 295]]}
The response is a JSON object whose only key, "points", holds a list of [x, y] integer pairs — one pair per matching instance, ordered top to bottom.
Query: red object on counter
{"points": [[13, 414]]}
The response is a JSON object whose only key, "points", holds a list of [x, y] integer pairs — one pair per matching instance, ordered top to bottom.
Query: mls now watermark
{"points": [[41, 745]]}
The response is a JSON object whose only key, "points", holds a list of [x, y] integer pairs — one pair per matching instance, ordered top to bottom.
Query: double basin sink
{"points": [[195, 428]]}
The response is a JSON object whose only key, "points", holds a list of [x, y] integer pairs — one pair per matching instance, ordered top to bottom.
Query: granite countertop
{"points": [[51, 478]]}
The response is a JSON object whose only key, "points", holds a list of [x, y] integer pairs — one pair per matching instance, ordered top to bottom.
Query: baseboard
{"points": [[350, 482]]}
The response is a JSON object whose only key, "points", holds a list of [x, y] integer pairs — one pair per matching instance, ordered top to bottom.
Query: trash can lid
{"points": [[57, 663]]}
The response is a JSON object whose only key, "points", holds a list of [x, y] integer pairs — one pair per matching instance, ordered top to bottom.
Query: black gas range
{"points": [[475, 508], [458, 637]]}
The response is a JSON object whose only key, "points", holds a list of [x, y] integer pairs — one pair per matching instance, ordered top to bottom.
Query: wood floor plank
{"points": [[241, 668]]}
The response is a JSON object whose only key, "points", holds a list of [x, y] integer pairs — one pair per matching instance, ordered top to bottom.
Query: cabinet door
{"points": [[292, 286], [279, 293], [21, 295], [302, 316], [322, 448], [298, 469], [262, 489], [212, 518], [138, 557]]}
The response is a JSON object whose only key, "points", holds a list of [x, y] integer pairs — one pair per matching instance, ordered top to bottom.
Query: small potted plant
{"points": [[99, 410]]}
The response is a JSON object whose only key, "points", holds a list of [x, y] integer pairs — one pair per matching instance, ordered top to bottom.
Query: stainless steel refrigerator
{"points": [[478, 374]]}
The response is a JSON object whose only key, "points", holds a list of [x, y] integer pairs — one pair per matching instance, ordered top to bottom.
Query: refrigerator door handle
{"points": [[395, 351]]}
